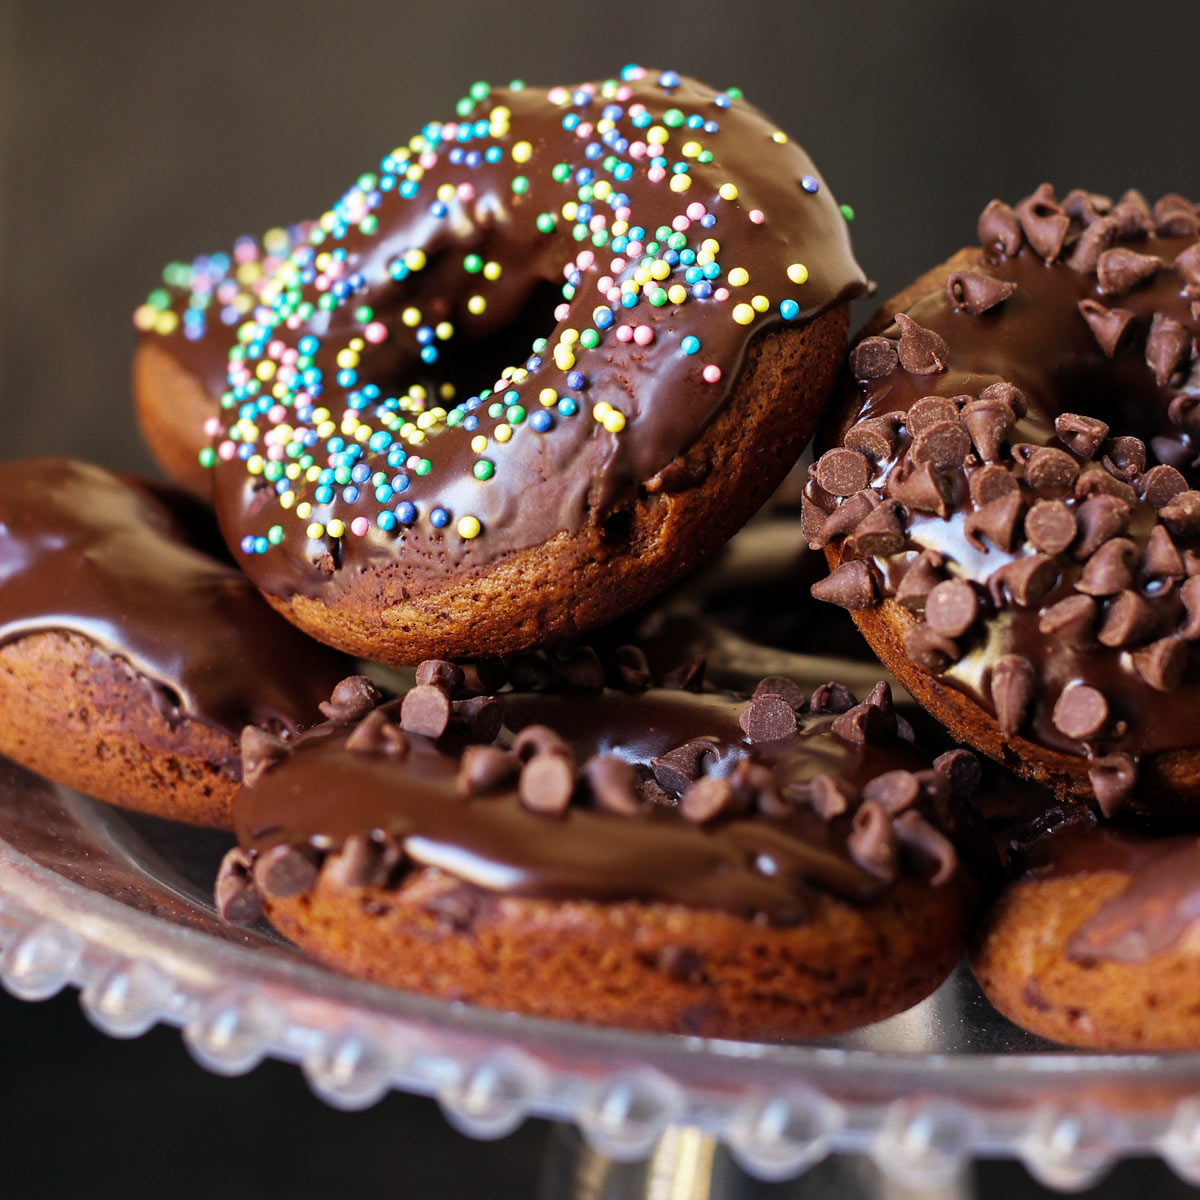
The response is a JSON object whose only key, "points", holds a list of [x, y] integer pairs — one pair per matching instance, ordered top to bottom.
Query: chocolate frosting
{"points": [[368, 420], [987, 506], [85, 551], [325, 792]]}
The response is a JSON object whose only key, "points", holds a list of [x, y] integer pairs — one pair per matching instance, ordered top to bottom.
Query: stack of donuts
{"points": [[434, 617]]}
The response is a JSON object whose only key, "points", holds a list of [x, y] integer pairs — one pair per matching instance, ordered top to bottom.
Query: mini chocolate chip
{"points": [[1085, 206], [1132, 214], [1175, 217], [1044, 223], [999, 230], [1093, 242], [1187, 265], [1120, 270], [975, 293], [1109, 326], [1167, 347], [921, 351], [873, 357], [1011, 395], [927, 411], [1184, 411], [988, 423], [1082, 435], [875, 437], [944, 445], [1022, 452], [1173, 452], [1126, 458], [1050, 468], [842, 472], [1097, 481], [990, 483], [1160, 485], [920, 488], [1182, 515], [813, 516], [846, 517], [1100, 517], [997, 521], [1050, 526], [881, 532], [1160, 558], [1191, 562], [1110, 569], [923, 575], [1027, 580], [851, 586], [1189, 593], [952, 607], [1128, 619], [1071, 621], [930, 650], [1162, 663], [577, 667], [629, 669], [436, 672], [530, 673], [486, 675], [689, 677], [777, 685], [1013, 686], [354, 697], [831, 698], [426, 710], [1080, 712], [481, 716], [767, 719], [869, 723], [377, 734], [534, 740], [260, 751], [677, 768], [485, 769], [961, 770], [1112, 778], [547, 783], [614, 784], [893, 791], [650, 793], [825, 796], [706, 799], [917, 835], [872, 841], [362, 862], [285, 871], [236, 898], [455, 906]]}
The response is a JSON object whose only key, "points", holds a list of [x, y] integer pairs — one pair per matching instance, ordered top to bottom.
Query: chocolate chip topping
{"points": [[1043, 222], [999, 230], [1092, 243], [1120, 270], [975, 293], [1110, 326], [1168, 345], [921, 351], [873, 357], [929, 410], [988, 422], [1082, 435], [877, 439], [944, 445], [1050, 468], [843, 472], [991, 483], [1160, 485], [920, 487], [1182, 515], [846, 517], [1099, 518], [996, 522], [1050, 526], [880, 533], [1110, 569], [921, 577], [1026, 581], [850, 586], [952, 608], [1128, 619], [1072, 620], [930, 650], [1162, 663], [436, 672], [1013, 687], [787, 689], [354, 697], [426, 710], [1080, 712], [768, 718], [377, 734], [260, 750], [486, 768], [677, 768], [1112, 778], [613, 783], [546, 784], [707, 799], [872, 841], [285, 871], [236, 898]]}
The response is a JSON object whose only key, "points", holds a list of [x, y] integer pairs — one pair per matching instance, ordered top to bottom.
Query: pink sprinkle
{"points": [[624, 92], [557, 95], [635, 109], [584, 130], [450, 131], [637, 150], [428, 159], [656, 174], [466, 191], [695, 210], [623, 213], [756, 215], [598, 222], [681, 224], [634, 249], [245, 250], [584, 259], [617, 265], [322, 283], [604, 283], [226, 290], [722, 293], [614, 295], [562, 312], [293, 322], [376, 332], [624, 333], [643, 335], [275, 348], [290, 355], [711, 373], [501, 385], [302, 398], [276, 413], [211, 426], [226, 451], [275, 453], [410, 463], [360, 526]]}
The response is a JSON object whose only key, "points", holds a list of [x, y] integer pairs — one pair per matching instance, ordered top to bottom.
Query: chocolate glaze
{"points": [[1038, 341], [563, 479], [87, 552], [323, 793]]}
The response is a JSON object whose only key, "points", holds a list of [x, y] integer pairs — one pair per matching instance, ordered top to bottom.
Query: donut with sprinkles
{"points": [[532, 368]]}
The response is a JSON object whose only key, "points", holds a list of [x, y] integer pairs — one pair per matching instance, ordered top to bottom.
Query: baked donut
{"points": [[187, 326], [534, 368], [1009, 502], [130, 660], [640, 856], [1097, 942]]}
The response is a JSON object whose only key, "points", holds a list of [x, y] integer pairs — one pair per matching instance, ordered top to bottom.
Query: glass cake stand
{"points": [[119, 906]]}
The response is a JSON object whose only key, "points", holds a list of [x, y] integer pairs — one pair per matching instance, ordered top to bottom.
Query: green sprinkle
{"points": [[517, 85], [480, 90], [734, 93], [464, 106], [673, 117], [561, 172], [367, 182], [520, 184], [847, 212], [546, 222], [369, 224], [600, 238], [472, 264], [658, 297], [159, 298], [364, 314], [589, 339], [539, 344], [495, 411], [515, 414], [208, 456], [424, 467], [484, 469], [273, 471], [342, 475], [275, 535]]}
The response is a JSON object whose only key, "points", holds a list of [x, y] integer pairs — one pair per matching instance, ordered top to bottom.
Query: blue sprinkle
{"points": [[669, 79], [580, 97], [612, 112], [570, 121], [695, 121], [593, 150], [494, 154], [474, 158], [810, 183], [438, 209], [708, 220], [712, 270], [702, 290], [628, 300], [789, 310], [603, 317], [424, 335], [690, 345], [429, 354], [347, 378], [576, 379], [567, 406], [541, 421], [471, 423], [361, 473], [400, 482], [383, 493], [350, 494], [323, 495], [406, 513], [439, 518], [386, 520], [248, 544], [260, 545]]}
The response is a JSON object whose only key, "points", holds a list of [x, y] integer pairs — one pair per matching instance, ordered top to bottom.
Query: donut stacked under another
{"points": [[537, 366], [1010, 502], [131, 660], [649, 857]]}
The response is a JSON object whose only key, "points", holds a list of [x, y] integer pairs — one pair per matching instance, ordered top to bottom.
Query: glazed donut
{"points": [[687, 271], [187, 327], [1009, 499], [130, 660], [650, 857], [1096, 943]]}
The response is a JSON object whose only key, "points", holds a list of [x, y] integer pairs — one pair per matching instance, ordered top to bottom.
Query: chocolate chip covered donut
{"points": [[536, 366], [1008, 499], [130, 659], [661, 858]]}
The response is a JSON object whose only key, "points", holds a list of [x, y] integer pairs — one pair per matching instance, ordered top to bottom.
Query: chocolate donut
{"points": [[687, 272], [188, 326], [1009, 502], [130, 659], [646, 856], [1097, 942]]}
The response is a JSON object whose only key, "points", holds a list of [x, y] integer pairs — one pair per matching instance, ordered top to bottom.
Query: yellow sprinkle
{"points": [[500, 113], [657, 135], [779, 137], [690, 149], [522, 152], [680, 183], [601, 189], [728, 191], [445, 192], [570, 209], [327, 221], [620, 228], [710, 246], [414, 259], [322, 261], [660, 269], [492, 270], [248, 273], [798, 273], [642, 275], [738, 276], [677, 293], [760, 303], [476, 305], [743, 314], [145, 317], [411, 317], [166, 323], [444, 330], [569, 336], [356, 344], [346, 358], [564, 360], [265, 370], [519, 375], [279, 390], [446, 391], [418, 392], [548, 396], [601, 409], [321, 414], [426, 420], [615, 421], [350, 422], [326, 429], [502, 432], [362, 433], [479, 443], [255, 464], [292, 471], [313, 474], [287, 499], [304, 510], [468, 527], [335, 528], [315, 531]]}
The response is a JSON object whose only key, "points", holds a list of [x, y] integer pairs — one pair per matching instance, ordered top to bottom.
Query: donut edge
{"points": [[171, 407]]}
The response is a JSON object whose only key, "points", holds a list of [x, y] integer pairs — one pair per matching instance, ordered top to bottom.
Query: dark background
{"points": [[132, 133]]}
